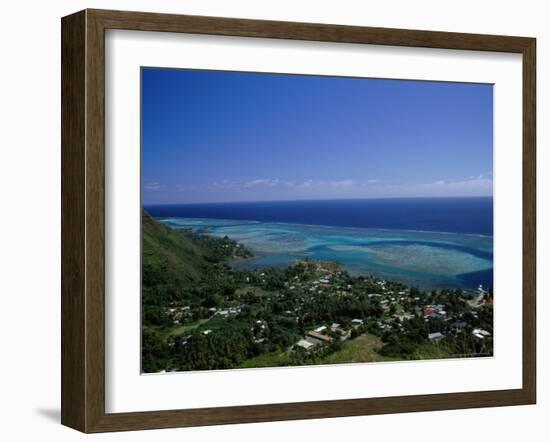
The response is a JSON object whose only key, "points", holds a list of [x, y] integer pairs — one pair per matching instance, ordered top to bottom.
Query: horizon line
{"points": [[318, 199]]}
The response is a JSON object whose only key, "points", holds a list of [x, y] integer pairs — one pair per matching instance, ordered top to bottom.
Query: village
{"points": [[313, 309]]}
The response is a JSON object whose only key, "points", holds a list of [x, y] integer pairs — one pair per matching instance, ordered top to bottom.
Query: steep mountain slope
{"points": [[170, 257]]}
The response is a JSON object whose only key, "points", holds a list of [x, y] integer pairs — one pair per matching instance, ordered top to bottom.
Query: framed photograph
{"points": [[267, 220]]}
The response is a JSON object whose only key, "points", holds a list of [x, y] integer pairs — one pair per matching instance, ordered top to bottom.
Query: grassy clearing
{"points": [[187, 327], [361, 349], [430, 350], [273, 359]]}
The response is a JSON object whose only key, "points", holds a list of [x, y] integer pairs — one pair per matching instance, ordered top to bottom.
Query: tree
{"points": [[154, 352]]}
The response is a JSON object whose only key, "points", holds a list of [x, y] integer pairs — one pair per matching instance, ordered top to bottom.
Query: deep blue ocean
{"points": [[459, 215], [426, 242]]}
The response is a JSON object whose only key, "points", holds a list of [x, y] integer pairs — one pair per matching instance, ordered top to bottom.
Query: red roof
{"points": [[429, 311]]}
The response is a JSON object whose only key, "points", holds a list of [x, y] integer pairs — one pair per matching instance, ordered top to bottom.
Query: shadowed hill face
{"points": [[169, 256]]}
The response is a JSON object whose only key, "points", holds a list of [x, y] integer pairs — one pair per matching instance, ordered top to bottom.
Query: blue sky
{"points": [[226, 136]]}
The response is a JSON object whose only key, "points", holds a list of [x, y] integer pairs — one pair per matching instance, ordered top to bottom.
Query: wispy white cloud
{"points": [[481, 176], [262, 182], [277, 182], [342, 183], [223, 184], [325, 184], [152, 185], [470, 186], [277, 188]]}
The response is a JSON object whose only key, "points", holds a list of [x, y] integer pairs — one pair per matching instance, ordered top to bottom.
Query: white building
{"points": [[435, 336], [304, 344]]}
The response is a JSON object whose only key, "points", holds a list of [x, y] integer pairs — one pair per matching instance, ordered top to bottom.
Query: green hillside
{"points": [[170, 257], [179, 266]]}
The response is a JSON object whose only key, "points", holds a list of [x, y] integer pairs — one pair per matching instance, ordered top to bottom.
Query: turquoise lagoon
{"points": [[424, 259]]}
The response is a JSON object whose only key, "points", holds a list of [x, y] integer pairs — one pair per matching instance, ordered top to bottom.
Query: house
{"points": [[434, 311], [223, 312], [428, 312], [404, 316], [356, 322], [334, 326], [321, 329], [207, 332], [480, 333], [344, 334], [319, 336], [435, 336], [306, 345]]}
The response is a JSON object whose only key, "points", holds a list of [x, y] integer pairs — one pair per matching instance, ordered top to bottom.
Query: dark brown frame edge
{"points": [[83, 216]]}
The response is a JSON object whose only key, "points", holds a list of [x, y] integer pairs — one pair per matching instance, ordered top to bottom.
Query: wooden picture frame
{"points": [[83, 220]]}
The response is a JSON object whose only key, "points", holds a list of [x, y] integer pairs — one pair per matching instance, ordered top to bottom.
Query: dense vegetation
{"points": [[177, 266], [199, 313]]}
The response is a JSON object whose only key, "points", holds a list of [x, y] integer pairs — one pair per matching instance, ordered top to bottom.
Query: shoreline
{"points": [[370, 265]]}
